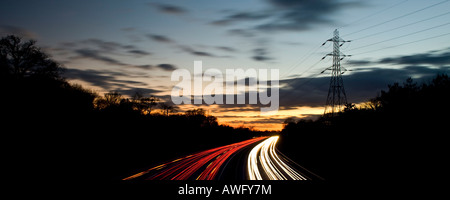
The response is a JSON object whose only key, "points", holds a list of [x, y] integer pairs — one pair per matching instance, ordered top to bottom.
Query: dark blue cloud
{"points": [[169, 9], [288, 15], [160, 38], [261, 54], [432, 58], [435, 58], [108, 80]]}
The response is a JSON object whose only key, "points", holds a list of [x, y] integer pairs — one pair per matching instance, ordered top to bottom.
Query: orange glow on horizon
{"points": [[249, 117]]}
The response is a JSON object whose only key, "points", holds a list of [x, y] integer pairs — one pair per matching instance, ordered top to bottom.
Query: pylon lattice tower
{"points": [[336, 98]]}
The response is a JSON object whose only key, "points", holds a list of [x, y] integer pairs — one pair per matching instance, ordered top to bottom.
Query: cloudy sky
{"points": [[135, 45]]}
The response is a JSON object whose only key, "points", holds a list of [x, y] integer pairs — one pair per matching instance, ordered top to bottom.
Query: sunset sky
{"points": [[130, 46]]}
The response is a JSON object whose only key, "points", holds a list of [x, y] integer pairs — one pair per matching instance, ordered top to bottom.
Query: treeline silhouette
{"points": [[62, 130], [397, 137]]}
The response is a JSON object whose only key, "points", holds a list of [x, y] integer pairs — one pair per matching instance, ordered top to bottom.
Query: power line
{"points": [[373, 14], [396, 18], [406, 25], [398, 37], [406, 43], [302, 61], [309, 68], [299, 77], [294, 80]]}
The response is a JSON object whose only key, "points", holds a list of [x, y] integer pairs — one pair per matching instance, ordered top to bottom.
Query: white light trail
{"points": [[273, 167]]}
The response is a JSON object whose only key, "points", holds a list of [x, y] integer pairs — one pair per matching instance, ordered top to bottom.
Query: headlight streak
{"points": [[252, 163], [273, 167]]}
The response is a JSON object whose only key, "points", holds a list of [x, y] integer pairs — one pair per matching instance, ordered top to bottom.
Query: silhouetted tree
{"points": [[20, 59], [34, 85], [113, 98], [110, 99], [151, 102], [144, 104], [349, 107], [167, 108], [195, 112], [199, 117], [210, 121], [290, 121]]}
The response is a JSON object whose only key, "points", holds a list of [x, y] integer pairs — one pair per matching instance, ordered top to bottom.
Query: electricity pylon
{"points": [[336, 99]]}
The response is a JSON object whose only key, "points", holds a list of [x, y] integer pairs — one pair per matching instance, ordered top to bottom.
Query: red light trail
{"points": [[184, 168]]}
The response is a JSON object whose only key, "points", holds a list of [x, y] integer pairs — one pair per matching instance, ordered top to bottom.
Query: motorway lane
{"points": [[254, 159], [264, 162], [204, 165], [235, 167]]}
